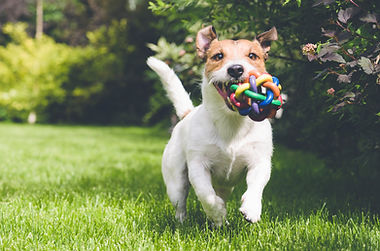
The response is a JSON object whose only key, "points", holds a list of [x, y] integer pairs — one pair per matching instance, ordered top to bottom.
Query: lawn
{"points": [[78, 187]]}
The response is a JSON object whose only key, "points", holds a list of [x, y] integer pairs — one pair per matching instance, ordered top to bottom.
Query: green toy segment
{"points": [[255, 96]]}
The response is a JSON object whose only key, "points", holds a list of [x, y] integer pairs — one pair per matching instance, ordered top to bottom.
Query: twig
{"points": [[354, 3], [341, 26], [377, 59], [333, 72]]}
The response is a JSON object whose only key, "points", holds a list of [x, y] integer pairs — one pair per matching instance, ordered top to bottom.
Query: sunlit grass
{"points": [[73, 187]]}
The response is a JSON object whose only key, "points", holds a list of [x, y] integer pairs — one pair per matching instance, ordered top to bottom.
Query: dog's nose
{"points": [[235, 70]]}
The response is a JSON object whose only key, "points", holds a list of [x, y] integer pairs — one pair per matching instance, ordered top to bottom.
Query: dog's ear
{"points": [[204, 38], [266, 38]]}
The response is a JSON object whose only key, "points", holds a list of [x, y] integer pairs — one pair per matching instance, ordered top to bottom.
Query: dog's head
{"points": [[230, 61]]}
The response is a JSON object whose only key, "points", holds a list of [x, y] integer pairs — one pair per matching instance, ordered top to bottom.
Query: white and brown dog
{"points": [[213, 146]]}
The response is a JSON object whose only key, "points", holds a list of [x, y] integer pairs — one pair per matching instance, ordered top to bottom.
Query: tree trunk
{"points": [[39, 19], [32, 118]]}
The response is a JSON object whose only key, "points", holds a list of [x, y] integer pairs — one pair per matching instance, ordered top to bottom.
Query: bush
{"points": [[350, 70], [32, 72], [37, 74], [58, 82], [342, 126]]}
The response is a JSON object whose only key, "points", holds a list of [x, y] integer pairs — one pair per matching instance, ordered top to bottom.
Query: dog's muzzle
{"points": [[224, 91]]}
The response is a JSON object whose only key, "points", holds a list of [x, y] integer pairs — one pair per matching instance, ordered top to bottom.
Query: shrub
{"points": [[350, 70], [32, 72], [54, 80], [332, 108]]}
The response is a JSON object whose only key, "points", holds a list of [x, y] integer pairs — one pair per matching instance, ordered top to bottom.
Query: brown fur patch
{"points": [[234, 49], [185, 114]]}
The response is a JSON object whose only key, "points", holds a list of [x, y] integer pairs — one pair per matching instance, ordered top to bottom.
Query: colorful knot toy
{"points": [[247, 99]]}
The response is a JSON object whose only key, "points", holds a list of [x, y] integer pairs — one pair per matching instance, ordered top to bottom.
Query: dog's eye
{"points": [[218, 56], [253, 56]]}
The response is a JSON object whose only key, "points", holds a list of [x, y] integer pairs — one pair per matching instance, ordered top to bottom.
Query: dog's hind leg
{"points": [[174, 171]]}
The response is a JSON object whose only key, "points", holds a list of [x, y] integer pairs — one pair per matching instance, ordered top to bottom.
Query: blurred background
{"points": [[83, 62]]}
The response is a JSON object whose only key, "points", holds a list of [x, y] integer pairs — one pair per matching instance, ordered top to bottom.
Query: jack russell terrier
{"points": [[212, 147]]}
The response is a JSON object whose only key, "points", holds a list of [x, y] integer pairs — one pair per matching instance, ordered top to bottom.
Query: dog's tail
{"points": [[173, 87]]}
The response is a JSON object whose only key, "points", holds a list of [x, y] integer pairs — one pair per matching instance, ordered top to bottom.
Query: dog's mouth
{"points": [[224, 91]]}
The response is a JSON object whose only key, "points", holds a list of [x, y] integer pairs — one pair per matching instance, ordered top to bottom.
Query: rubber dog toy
{"points": [[247, 99]]}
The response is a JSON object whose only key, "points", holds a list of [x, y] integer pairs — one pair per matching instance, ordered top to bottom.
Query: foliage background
{"points": [[89, 67], [103, 78], [333, 107]]}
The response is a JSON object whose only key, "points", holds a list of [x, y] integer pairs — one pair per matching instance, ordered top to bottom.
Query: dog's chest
{"points": [[228, 161]]}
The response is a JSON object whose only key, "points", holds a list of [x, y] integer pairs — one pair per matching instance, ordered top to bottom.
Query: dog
{"points": [[212, 146]]}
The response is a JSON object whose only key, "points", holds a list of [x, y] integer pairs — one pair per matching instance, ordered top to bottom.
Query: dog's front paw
{"points": [[215, 209], [251, 211]]}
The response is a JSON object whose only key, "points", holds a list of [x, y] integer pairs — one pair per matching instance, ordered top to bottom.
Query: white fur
{"points": [[173, 86], [211, 149]]}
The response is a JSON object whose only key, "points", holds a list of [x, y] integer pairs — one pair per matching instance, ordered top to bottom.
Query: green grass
{"points": [[73, 187]]}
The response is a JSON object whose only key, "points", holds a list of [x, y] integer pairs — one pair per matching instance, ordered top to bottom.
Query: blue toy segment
{"points": [[275, 80], [268, 99], [255, 104], [245, 112]]}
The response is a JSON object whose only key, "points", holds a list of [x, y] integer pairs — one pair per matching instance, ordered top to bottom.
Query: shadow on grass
{"points": [[301, 182], [300, 185]]}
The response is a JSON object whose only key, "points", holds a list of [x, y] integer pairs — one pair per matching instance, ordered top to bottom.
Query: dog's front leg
{"points": [[257, 177], [200, 179]]}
